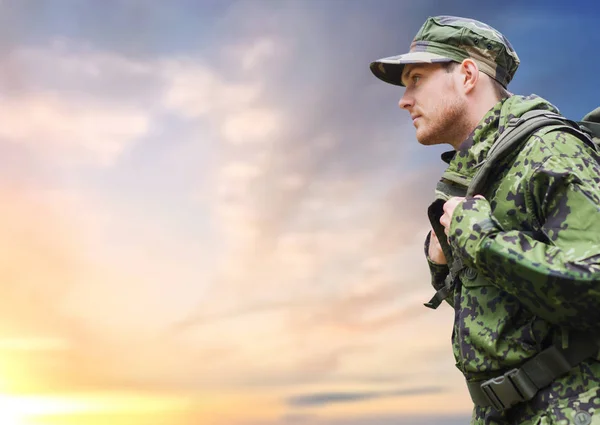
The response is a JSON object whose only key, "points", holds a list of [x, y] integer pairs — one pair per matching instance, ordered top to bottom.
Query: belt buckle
{"points": [[509, 389]]}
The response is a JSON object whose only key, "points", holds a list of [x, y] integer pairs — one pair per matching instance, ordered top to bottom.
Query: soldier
{"points": [[519, 262]]}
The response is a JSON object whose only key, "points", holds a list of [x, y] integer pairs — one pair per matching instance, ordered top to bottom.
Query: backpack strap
{"points": [[592, 116], [592, 128], [517, 132], [435, 212], [522, 384]]}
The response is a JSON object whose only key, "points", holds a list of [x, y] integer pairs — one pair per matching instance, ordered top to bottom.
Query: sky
{"points": [[213, 213]]}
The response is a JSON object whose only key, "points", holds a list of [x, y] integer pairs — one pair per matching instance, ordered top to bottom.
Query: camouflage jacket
{"points": [[531, 247]]}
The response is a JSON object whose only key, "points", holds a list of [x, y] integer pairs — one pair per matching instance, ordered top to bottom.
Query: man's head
{"points": [[457, 69]]}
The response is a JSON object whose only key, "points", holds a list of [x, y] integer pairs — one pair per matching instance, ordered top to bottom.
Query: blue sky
{"points": [[213, 204]]}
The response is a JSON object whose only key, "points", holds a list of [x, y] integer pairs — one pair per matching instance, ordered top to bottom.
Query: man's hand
{"points": [[449, 208], [435, 250]]}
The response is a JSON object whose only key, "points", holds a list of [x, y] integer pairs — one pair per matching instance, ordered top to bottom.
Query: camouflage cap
{"points": [[451, 38]]}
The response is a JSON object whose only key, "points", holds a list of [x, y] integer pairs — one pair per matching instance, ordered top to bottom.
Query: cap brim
{"points": [[390, 69]]}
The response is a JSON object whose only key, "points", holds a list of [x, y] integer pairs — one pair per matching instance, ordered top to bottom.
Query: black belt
{"points": [[522, 384]]}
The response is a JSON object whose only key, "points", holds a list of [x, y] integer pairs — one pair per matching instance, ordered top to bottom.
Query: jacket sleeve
{"points": [[438, 271], [554, 272]]}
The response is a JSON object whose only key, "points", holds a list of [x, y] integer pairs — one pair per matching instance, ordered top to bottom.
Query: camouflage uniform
{"points": [[531, 248]]}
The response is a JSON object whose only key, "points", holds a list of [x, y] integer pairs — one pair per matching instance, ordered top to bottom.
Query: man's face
{"points": [[436, 107]]}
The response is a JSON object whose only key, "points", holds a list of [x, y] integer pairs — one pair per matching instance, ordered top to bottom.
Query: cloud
{"points": [[257, 56], [76, 66], [194, 89], [69, 103], [251, 126], [72, 129], [328, 162], [320, 216], [315, 228], [323, 399], [298, 418], [364, 419], [426, 419]]}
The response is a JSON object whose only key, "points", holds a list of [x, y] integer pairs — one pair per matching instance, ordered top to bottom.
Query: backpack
{"points": [[520, 129]]}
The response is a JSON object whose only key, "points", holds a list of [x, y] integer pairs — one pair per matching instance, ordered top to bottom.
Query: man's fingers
{"points": [[452, 202], [447, 205], [444, 221], [435, 249]]}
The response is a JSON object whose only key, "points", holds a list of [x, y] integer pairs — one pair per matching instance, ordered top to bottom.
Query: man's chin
{"points": [[427, 140]]}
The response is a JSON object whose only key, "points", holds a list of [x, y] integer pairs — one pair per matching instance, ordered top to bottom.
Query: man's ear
{"points": [[469, 75]]}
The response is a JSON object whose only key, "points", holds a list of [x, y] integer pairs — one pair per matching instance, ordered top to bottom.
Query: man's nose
{"points": [[406, 101]]}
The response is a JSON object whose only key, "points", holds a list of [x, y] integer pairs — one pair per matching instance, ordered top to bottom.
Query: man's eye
{"points": [[415, 79]]}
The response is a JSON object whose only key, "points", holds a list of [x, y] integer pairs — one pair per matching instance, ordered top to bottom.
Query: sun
{"points": [[9, 413], [11, 420]]}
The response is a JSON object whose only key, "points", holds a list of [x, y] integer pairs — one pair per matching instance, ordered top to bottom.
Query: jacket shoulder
{"points": [[558, 140]]}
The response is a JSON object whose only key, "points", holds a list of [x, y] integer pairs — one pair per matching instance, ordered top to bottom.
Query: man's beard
{"points": [[446, 124]]}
